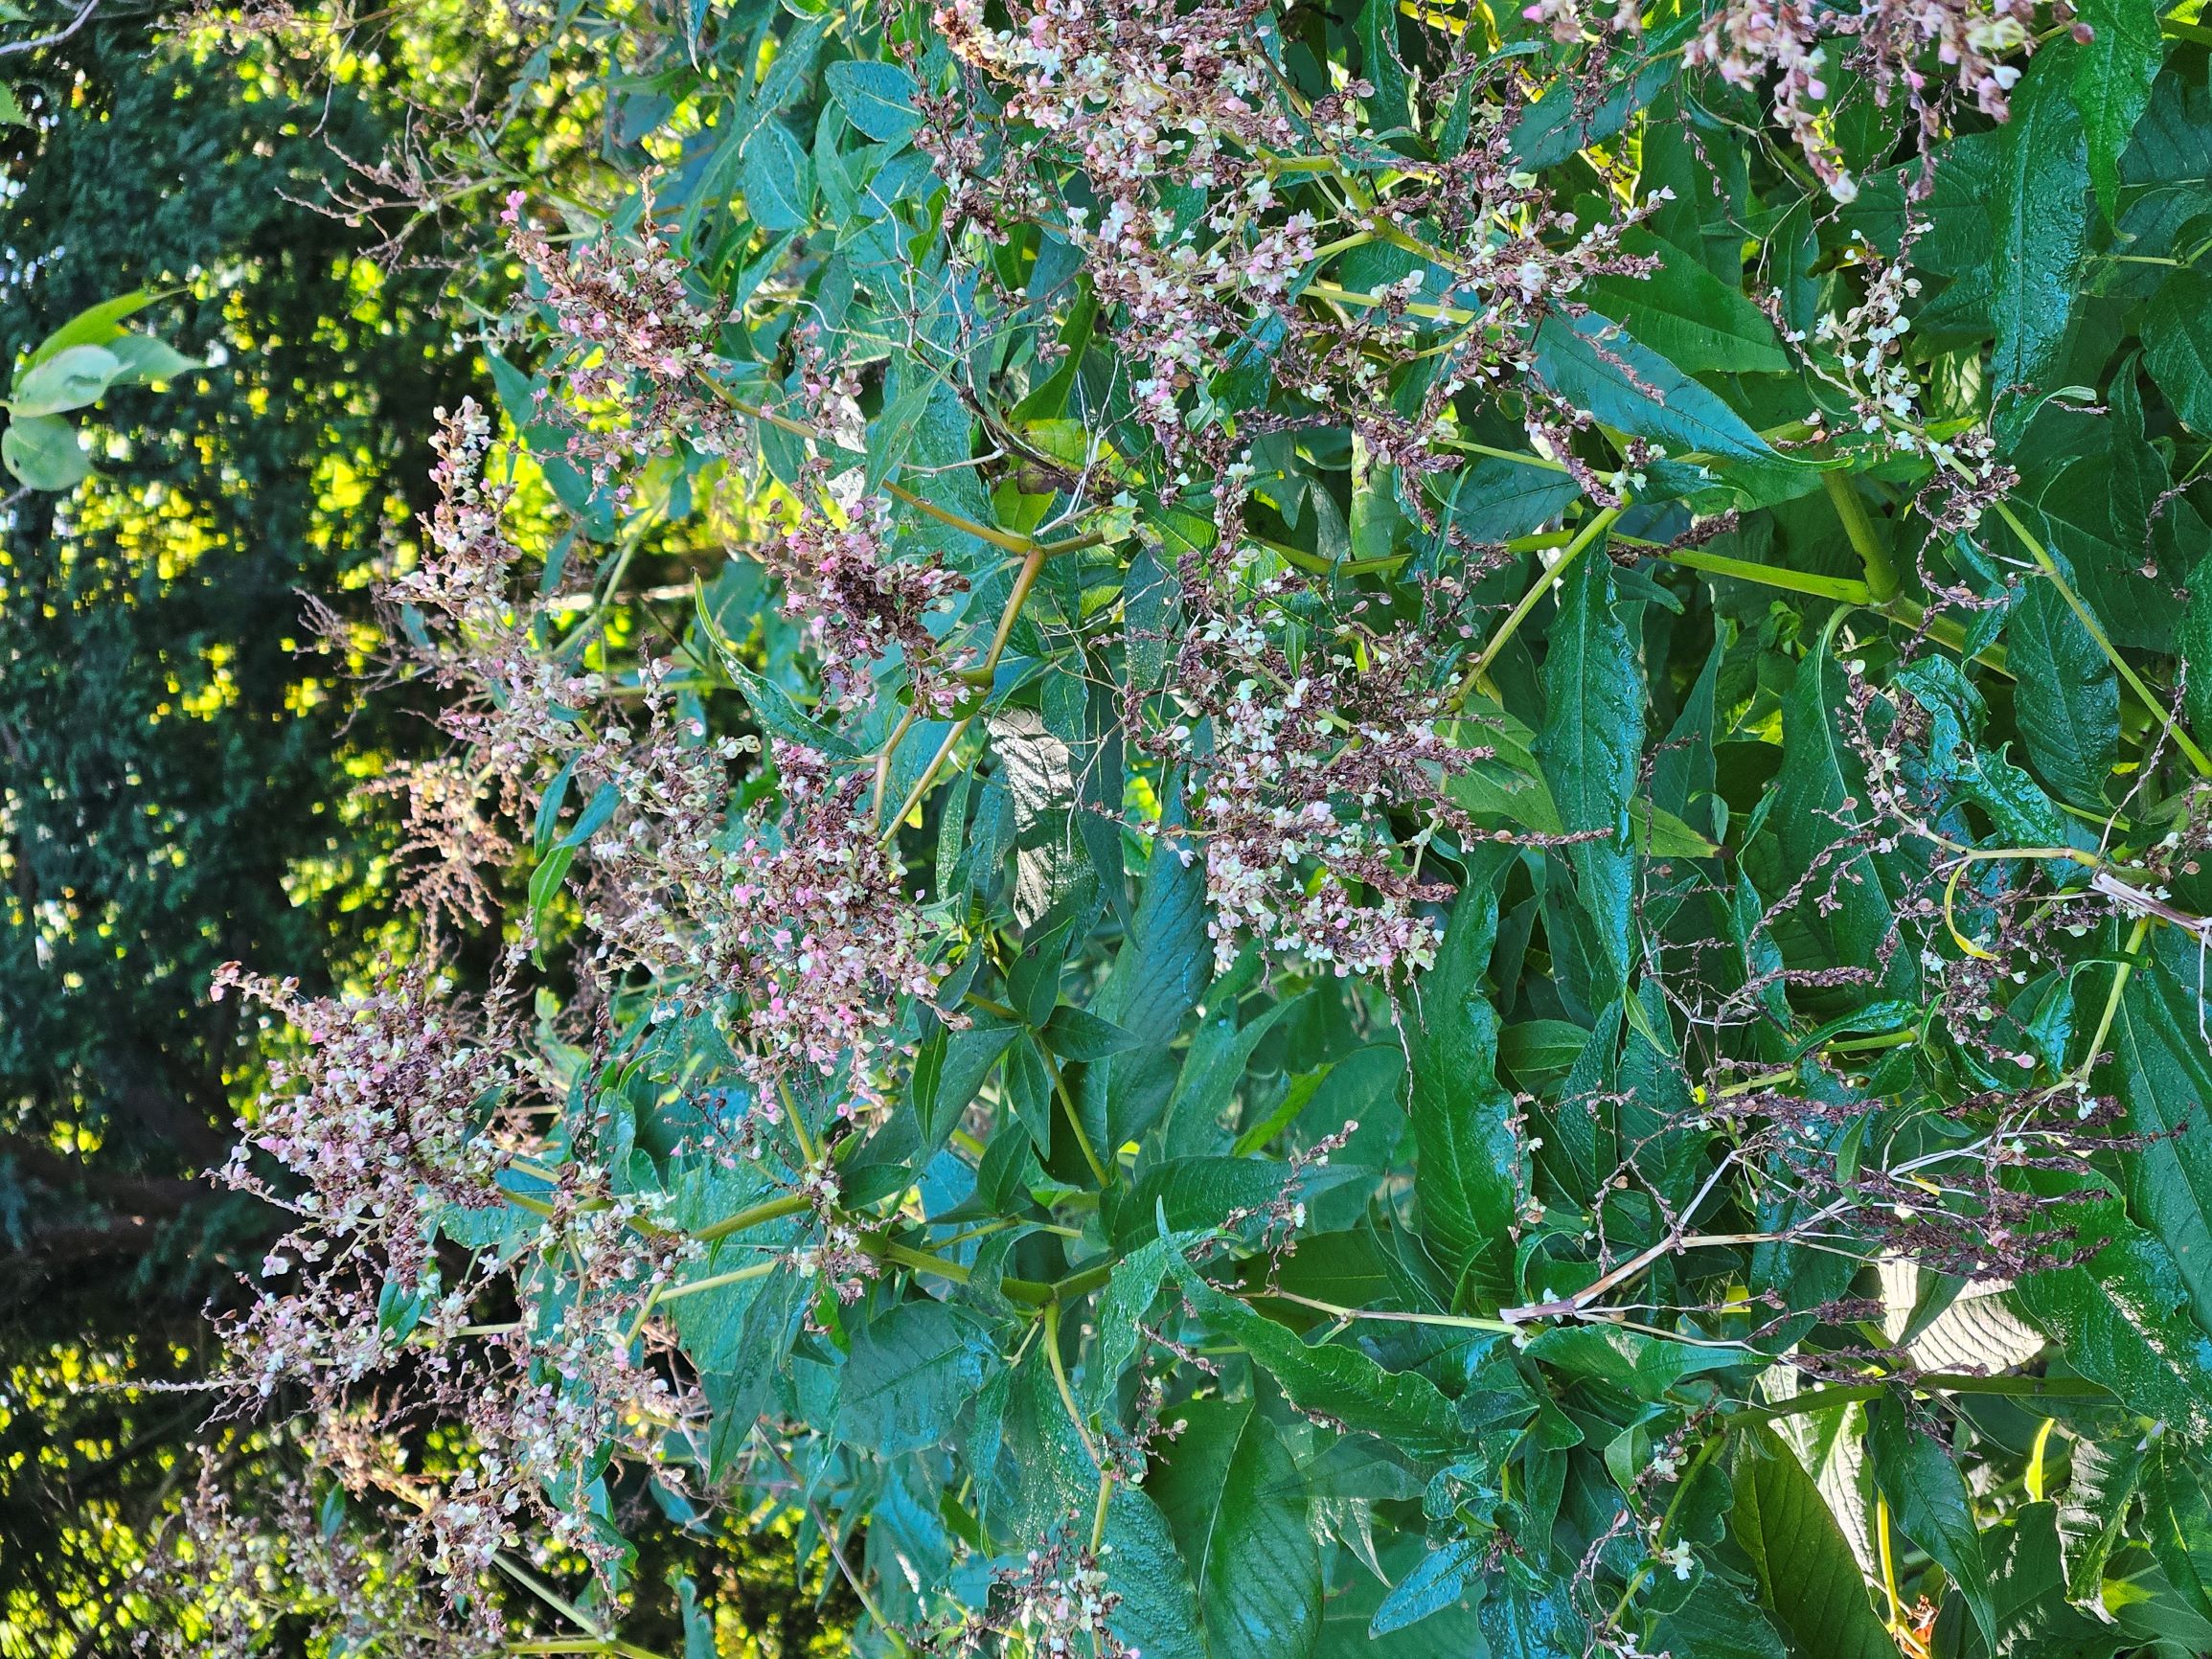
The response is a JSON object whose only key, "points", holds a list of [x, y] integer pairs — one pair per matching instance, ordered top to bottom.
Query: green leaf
{"points": [[1380, 62], [2112, 85], [877, 99], [778, 179], [2039, 226], [1690, 316], [94, 326], [2177, 345], [146, 359], [1593, 364], [69, 379], [42, 452], [1494, 499], [2067, 698], [782, 718], [1593, 730], [1589, 748], [1657, 834], [1793, 834], [545, 886], [1151, 988], [1076, 1036], [1220, 1051], [2163, 1076], [1472, 1176], [1192, 1192], [1130, 1292], [2123, 1317], [1642, 1367], [911, 1370], [1401, 1407], [2100, 1490], [1928, 1495], [1238, 1508], [2177, 1519], [1806, 1574], [1435, 1584], [2032, 1612], [1716, 1621]]}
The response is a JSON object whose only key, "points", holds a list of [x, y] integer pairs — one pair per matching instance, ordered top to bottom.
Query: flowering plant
{"points": [[1361, 828]]}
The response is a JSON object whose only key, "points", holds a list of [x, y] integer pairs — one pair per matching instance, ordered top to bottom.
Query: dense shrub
{"points": [[1348, 829]]}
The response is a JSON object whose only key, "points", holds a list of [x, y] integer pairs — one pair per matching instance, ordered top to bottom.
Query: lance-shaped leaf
{"points": [[1471, 1178], [1401, 1407], [1928, 1497], [1238, 1509], [1807, 1576]]}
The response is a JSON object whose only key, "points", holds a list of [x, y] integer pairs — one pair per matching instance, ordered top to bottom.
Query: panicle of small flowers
{"points": [[1969, 38], [1748, 40], [1139, 97], [1145, 103], [638, 345], [1861, 352], [842, 584], [1297, 769], [448, 844], [800, 922], [805, 922], [397, 1105], [221, 1579], [1059, 1601]]}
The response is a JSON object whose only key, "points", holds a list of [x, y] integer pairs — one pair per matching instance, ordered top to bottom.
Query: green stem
{"points": [[1589, 533], [2050, 569], [1023, 581], [1882, 583], [1841, 589], [2120, 976], [1075, 1119], [790, 1204], [675, 1292], [1451, 1321], [1060, 1381], [1933, 1382]]}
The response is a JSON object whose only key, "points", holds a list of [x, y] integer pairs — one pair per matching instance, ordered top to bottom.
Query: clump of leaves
{"points": [[1430, 878]]}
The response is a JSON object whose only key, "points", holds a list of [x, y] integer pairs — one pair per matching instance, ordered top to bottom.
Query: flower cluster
{"points": [[1748, 40], [1140, 99], [1154, 111], [638, 345], [841, 582], [1299, 766], [801, 924], [804, 924], [397, 1106], [401, 1123], [221, 1579], [1061, 1603]]}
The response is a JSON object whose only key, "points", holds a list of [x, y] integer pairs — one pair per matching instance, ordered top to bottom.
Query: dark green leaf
{"points": [[2111, 84], [877, 99], [778, 179], [2039, 224], [1689, 316], [1593, 364], [2067, 699], [1471, 1178], [911, 1370], [1401, 1407], [1928, 1497], [1238, 1507], [1807, 1576]]}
